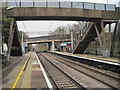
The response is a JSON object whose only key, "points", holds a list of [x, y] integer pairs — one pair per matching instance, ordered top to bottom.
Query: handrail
{"points": [[61, 4], [82, 32]]}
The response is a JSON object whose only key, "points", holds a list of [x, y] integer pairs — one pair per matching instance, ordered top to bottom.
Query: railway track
{"points": [[60, 78], [109, 80]]}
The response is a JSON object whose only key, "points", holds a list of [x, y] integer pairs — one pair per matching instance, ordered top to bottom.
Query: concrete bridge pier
{"points": [[48, 46], [53, 46]]}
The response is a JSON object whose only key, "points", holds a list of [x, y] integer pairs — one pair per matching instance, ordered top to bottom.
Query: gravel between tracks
{"points": [[102, 76], [83, 79]]}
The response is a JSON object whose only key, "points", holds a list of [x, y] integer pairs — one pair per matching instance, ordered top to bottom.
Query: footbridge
{"points": [[80, 11], [100, 14]]}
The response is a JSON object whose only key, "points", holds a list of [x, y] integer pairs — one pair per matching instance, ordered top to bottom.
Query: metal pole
{"points": [[20, 3], [33, 3], [59, 4], [71, 4], [83, 5], [94, 6], [11, 34], [109, 35], [99, 38], [104, 39], [72, 40], [113, 41], [53, 46], [96, 46], [23, 51]]}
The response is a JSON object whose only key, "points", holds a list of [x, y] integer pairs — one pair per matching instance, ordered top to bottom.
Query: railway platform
{"points": [[98, 57], [99, 61], [44, 70], [10, 73], [25, 73], [33, 76]]}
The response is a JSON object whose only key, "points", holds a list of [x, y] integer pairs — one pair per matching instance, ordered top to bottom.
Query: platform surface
{"points": [[10, 73], [32, 76]]}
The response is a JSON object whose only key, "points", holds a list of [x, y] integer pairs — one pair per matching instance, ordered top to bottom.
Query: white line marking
{"points": [[45, 75]]}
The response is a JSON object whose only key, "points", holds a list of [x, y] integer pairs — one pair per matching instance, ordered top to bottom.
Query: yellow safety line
{"points": [[17, 79]]}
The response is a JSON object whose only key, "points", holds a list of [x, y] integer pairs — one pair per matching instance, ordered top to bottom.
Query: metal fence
{"points": [[60, 4]]}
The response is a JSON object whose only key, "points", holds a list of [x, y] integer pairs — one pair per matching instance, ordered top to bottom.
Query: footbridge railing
{"points": [[59, 4]]}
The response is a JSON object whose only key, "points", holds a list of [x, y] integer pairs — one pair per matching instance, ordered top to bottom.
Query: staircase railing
{"points": [[82, 33]]}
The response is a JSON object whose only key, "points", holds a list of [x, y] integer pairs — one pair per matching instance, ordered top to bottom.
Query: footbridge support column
{"points": [[11, 34], [114, 38], [48, 46], [53, 46], [107, 50]]}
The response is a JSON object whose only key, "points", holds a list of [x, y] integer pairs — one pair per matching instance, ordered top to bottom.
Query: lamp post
{"points": [[71, 32], [23, 51]]}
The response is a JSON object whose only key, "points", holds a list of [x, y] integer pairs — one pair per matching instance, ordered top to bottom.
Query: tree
{"points": [[5, 25], [24, 35]]}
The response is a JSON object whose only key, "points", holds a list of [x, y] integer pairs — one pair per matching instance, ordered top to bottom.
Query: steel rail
{"points": [[63, 72], [86, 73], [56, 86]]}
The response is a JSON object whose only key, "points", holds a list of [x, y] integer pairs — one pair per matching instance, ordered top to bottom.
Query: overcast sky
{"points": [[47, 26]]}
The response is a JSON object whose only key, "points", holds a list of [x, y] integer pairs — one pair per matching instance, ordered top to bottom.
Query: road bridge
{"points": [[50, 40], [47, 41]]}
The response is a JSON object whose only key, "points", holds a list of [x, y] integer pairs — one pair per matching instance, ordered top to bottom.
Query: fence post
{"points": [[20, 3], [33, 3], [46, 4], [59, 4], [71, 4], [83, 5], [94, 6], [105, 6]]}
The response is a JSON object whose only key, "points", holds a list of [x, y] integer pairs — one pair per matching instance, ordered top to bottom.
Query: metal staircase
{"points": [[86, 37]]}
